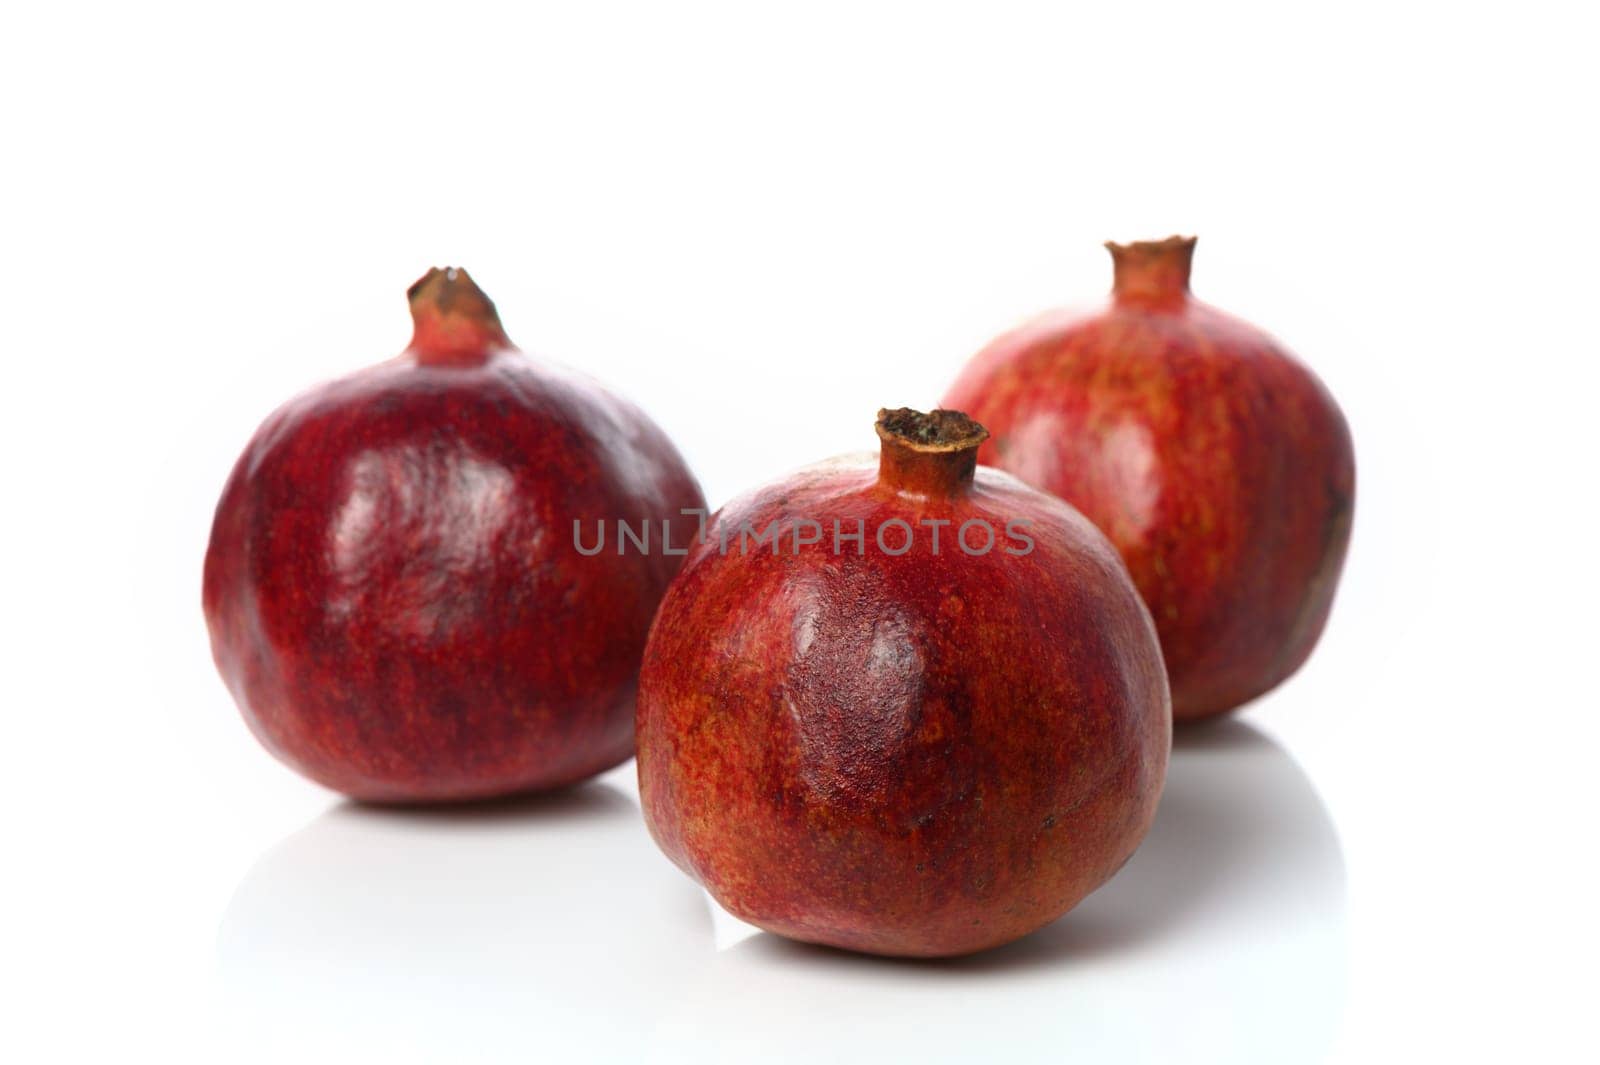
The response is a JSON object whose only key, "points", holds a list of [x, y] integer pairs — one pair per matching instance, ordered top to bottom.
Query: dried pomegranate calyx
{"points": [[454, 322], [930, 453]]}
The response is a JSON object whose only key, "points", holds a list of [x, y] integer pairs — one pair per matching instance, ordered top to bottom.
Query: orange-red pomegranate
{"points": [[1216, 462], [394, 588], [912, 707]]}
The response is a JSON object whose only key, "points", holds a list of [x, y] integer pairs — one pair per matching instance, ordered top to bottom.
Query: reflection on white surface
{"points": [[554, 927], [464, 934]]}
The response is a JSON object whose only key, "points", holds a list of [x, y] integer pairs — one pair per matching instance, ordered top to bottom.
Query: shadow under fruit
{"points": [[392, 587]]}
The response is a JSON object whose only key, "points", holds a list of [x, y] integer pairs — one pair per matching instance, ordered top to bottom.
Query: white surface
{"points": [[763, 227]]}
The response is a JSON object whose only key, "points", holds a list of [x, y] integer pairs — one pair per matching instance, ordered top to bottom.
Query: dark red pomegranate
{"points": [[1215, 461], [393, 587], [924, 714]]}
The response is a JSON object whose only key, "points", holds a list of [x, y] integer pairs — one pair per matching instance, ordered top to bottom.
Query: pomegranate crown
{"points": [[1151, 271], [455, 323], [928, 454]]}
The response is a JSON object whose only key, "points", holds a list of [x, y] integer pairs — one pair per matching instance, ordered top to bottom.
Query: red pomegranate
{"points": [[1216, 462], [394, 588], [911, 708]]}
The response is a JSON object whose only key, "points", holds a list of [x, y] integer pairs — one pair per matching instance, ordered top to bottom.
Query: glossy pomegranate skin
{"points": [[1216, 462], [392, 588], [915, 755]]}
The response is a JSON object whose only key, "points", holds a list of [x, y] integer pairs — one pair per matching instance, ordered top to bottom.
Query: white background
{"points": [[763, 223]]}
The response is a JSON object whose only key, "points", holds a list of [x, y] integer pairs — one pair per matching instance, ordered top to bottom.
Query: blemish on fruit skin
{"points": [[1243, 460]]}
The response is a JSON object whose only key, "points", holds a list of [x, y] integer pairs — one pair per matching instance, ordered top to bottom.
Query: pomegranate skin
{"points": [[1217, 463], [392, 589], [919, 755]]}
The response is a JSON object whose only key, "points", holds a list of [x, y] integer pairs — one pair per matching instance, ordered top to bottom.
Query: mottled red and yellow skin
{"points": [[1217, 463], [392, 587], [919, 755]]}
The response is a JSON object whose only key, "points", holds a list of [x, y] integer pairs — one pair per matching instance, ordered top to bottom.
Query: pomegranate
{"points": [[1217, 463], [394, 589], [911, 708]]}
